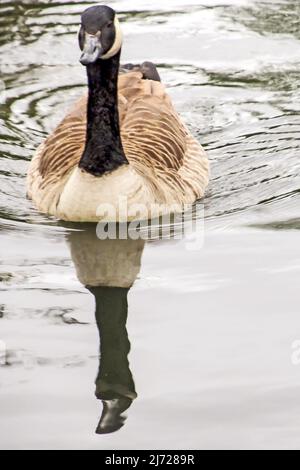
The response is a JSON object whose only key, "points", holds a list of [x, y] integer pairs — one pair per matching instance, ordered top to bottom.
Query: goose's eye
{"points": [[109, 25], [81, 38]]}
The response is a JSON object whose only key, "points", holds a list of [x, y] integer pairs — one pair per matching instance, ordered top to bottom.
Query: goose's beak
{"points": [[92, 50]]}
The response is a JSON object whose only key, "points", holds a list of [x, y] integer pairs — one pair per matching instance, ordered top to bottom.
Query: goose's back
{"points": [[156, 142]]}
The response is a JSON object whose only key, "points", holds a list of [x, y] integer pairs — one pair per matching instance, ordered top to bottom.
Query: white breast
{"points": [[108, 198]]}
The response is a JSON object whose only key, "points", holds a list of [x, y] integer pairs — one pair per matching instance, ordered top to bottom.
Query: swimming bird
{"points": [[123, 142]]}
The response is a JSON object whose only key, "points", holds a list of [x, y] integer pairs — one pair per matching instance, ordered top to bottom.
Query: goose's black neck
{"points": [[103, 150]]}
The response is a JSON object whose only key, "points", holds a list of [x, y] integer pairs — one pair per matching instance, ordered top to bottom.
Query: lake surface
{"points": [[212, 330]]}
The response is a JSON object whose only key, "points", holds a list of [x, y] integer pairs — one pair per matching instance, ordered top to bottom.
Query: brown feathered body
{"points": [[167, 166]]}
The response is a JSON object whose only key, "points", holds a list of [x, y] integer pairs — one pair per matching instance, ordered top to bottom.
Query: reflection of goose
{"points": [[125, 141], [108, 269]]}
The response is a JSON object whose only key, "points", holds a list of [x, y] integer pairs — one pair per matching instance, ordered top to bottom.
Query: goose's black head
{"points": [[100, 35]]}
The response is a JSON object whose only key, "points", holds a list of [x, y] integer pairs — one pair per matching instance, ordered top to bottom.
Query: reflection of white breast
{"points": [[84, 196], [111, 263]]}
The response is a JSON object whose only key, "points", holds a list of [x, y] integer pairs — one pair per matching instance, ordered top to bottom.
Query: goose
{"points": [[122, 143]]}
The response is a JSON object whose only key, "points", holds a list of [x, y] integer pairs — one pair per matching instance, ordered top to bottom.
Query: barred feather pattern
{"points": [[162, 153]]}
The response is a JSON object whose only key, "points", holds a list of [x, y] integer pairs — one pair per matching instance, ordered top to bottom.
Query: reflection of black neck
{"points": [[103, 151], [114, 380]]}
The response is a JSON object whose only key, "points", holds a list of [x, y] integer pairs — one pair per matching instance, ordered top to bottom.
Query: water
{"points": [[211, 331]]}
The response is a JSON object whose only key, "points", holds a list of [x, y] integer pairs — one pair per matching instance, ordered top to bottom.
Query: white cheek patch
{"points": [[118, 41]]}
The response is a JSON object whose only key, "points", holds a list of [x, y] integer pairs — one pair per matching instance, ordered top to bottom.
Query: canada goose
{"points": [[125, 140]]}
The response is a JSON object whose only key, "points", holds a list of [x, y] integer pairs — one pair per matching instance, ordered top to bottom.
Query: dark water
{"points": [[211, 330]]}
